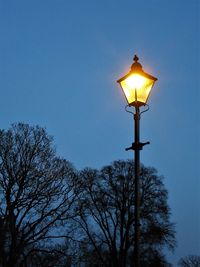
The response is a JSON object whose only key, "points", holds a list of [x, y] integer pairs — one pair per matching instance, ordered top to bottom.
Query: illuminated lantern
{"points": [[137, 84]]}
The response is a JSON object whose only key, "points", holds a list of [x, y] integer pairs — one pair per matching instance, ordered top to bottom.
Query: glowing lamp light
{"points": [[137, 84]]}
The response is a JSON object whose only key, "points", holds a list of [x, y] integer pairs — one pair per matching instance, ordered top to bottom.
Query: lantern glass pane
{"points": [[137, 88]]}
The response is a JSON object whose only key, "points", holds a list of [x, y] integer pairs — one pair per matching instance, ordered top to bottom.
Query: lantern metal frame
{"points": [[136, 68]]}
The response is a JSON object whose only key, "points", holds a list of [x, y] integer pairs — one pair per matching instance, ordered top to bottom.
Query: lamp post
{"points": [[136, 86]]}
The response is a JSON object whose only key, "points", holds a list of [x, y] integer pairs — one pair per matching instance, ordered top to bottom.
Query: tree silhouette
{"points": [[36, 193], [43, 199], [106, 215], [190, 261]]}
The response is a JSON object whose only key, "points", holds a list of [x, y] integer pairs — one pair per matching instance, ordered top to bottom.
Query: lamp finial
{"points": [[136, 58]]}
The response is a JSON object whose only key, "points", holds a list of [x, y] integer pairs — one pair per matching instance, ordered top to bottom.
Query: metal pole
{"points": [[137, 146], [137, 187]]}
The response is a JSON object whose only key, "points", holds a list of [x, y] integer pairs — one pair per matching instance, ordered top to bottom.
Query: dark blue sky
{"points": [[59, 62]]}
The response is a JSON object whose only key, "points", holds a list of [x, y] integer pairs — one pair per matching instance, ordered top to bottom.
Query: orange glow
{"points": [[136, 88]]}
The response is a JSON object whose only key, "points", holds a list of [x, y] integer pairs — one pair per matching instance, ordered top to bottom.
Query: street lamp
{"points": [[136, 86]]}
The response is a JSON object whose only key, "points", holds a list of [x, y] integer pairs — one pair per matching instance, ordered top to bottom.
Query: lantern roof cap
{"points": [[136, 66]]}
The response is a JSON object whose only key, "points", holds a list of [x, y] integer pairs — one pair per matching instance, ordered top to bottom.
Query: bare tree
{"points": [[36, 193], [106, 215], [56, 256], [190, 261]]}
